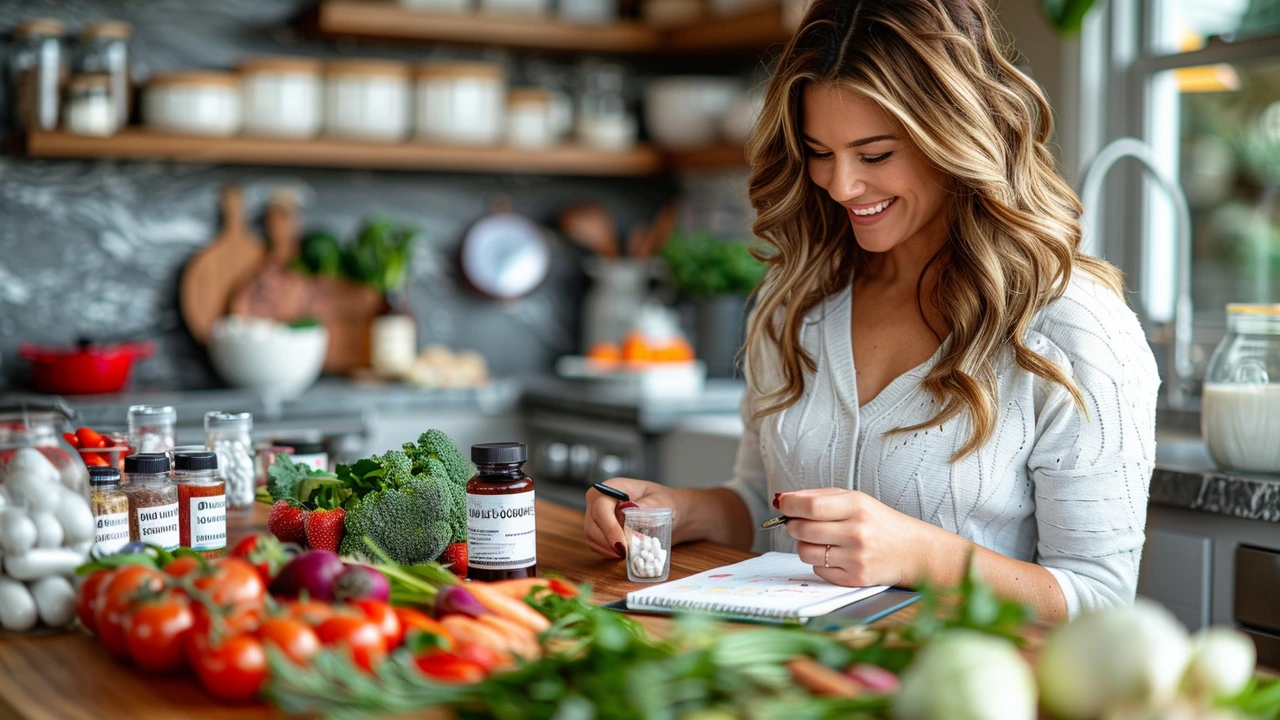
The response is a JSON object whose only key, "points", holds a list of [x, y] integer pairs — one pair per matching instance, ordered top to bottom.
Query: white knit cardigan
{"points": [[1052, 486]]}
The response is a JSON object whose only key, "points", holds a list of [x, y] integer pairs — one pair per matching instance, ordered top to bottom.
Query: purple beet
{"points": [[312, 572], [361, 582]]}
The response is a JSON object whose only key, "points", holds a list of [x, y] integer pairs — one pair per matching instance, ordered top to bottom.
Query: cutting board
{"points": [[224, 265]]}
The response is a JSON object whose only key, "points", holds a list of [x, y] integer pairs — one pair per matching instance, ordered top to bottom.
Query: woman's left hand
{"points": [[852, 539]]}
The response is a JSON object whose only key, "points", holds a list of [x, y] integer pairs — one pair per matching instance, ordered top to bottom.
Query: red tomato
{"points": [[71, 439], [90, 439], [94, 459], [242, 549], [181, 567], [232, 582], [116, 596], [87, 598], [311, 612], [382, 615], [413, 621], [156, 631], [362, 637], [295, 638], [482, 655], [448, 668], [232, 670]]}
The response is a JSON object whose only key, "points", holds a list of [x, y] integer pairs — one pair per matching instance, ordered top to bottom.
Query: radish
{"points": [[312, 572], [361, 582]]}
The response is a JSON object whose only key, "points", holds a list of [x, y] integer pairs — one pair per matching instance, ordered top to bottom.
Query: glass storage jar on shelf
{"points": [[1240, 415], [152, 428], [39, 429], [227, 434]]}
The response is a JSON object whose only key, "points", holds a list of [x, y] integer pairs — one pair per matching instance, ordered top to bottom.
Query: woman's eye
{"points": [[818, 155], [873, 159]]}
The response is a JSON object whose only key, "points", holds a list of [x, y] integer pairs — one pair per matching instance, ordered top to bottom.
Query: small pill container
{"points": [[648, 533]]}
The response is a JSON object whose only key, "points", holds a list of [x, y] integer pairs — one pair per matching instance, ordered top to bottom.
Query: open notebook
{"points": [[775, 585]]}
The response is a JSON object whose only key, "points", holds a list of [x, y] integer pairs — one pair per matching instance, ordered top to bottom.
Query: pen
{"points": [[612, 492], [774, 522]]}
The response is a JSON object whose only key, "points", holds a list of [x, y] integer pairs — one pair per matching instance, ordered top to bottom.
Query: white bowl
{"points": [[684, 113], [268, 357]]}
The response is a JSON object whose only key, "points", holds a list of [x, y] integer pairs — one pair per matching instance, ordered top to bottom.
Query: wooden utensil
{"points": [[591, 225], [214, 274]]}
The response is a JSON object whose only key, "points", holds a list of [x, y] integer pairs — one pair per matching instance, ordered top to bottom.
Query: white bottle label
{"points": [[208, 518], [159, 526], [501, 531], [112, 532]]}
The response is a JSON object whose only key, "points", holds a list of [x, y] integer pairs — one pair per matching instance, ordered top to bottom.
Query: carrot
{"points": [[520, 587], [500, 604], [468, 630], [522, 641]]}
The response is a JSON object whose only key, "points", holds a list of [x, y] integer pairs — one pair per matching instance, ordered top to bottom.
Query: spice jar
{"points": [[104, 48], [37, 66], [89, 110], [530, 118], [603, 120], [151, 428], [227, 434], [153, 500], [202, 503], [110, 509], [648, 532], [501, 538]]}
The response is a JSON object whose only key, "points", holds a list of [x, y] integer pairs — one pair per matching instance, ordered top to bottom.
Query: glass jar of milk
{"points": [[1240, 419]]}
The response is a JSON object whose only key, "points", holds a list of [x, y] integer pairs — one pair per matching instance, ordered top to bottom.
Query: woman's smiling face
{"points": [[866, 163]]}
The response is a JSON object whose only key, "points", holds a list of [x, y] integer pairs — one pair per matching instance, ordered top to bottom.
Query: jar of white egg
{"points": [[648, 533]]}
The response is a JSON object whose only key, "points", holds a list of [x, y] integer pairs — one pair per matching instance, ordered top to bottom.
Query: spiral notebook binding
{"points": [[713, 607]]}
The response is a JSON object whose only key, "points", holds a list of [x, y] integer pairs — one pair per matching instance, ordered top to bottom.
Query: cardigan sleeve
{"points": [[1092, 469], [749, 479]]}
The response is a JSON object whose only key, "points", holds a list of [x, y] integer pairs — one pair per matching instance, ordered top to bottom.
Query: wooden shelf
{"points": [[380, 19], [389, 20], [140, 144], [720, 157]]}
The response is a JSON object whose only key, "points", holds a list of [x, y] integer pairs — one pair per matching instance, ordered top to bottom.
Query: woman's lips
{"points": [[885, 207]]}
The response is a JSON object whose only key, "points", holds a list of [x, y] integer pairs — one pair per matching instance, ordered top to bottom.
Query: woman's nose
{"points": [[846, 184]]}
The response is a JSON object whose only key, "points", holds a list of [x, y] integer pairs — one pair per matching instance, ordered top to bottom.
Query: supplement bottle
{"points": [[202, 503], [502, 541]]}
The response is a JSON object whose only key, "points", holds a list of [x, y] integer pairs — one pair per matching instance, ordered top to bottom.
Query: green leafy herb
{"points": [[703, 265]]}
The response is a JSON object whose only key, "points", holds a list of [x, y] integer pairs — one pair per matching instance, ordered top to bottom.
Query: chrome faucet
{"points": [[1180, 364]]}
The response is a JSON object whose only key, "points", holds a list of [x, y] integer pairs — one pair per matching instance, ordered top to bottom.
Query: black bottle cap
{"points": [[300, 446], [499, 453], [195, 461], [146, 463], [103, 475]]}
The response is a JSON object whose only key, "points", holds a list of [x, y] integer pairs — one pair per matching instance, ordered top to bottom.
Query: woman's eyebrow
{"points": [[856, 143]]}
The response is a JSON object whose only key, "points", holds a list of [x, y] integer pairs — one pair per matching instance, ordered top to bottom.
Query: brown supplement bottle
{"points": [[502, 540]]}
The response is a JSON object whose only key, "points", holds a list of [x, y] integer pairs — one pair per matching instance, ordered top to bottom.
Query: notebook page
{"points": [[774, 584]]}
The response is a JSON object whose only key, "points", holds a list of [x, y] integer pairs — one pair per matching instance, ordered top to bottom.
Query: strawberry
{"points": [[287, 521], [324, 529], [456, 557]]}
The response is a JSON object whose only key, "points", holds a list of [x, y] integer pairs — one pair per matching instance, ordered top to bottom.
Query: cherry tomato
{"points": [[71, 439], [90, 439], [94, 459], [242, 549], [266, 554], [182, 567], [232, 582], [562, 588], [116, 596], [87, 598], [311, 612], [382, 615], [413, 621], [156, 632], [360, 636], [295, 638], [482, 655], [447, 667], [233, 669]]}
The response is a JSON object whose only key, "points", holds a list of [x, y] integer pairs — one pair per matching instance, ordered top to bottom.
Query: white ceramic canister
{"points": [[516, 8], [282, 96], [367, 100], [199, 102], [461, 103], [530, 118]]}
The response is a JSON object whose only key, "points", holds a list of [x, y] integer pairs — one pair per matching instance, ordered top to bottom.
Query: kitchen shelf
{"points": [[388, 20], [140, 144], [719, 157]]}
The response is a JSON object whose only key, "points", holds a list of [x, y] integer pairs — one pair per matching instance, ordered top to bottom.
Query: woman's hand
{"points": [[604, 517], [870, 543]]}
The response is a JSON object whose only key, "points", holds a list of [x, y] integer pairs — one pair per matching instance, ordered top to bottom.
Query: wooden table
{"points": [[68, 676]]}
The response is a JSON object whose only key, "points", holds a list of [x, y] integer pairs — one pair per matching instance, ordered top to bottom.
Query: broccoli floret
{"points": [[435, 445], [397, 466], [459, 517], [411, 523]]}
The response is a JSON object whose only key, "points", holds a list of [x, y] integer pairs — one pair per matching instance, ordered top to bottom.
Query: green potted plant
{"points": [[716, 276]]}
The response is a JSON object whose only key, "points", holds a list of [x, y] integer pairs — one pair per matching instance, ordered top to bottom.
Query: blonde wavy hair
{"points": [[936, 68]]}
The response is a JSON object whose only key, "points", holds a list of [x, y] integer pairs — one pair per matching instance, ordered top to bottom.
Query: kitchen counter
{"points": [[621, 404], [1186, 477], [69, 677]]}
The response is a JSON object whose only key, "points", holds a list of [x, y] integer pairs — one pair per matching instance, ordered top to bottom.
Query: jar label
{"points": [[208, 519], [159, 526], [501, 531], [112, 532]]}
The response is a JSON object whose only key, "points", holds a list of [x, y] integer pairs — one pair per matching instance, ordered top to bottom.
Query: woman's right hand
{"points": [[604, 517]]}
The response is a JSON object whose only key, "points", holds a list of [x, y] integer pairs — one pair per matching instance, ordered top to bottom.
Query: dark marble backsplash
{"points": [[96, 248]]}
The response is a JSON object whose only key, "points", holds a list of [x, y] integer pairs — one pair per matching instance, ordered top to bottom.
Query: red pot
{"points": [[85, 370]]}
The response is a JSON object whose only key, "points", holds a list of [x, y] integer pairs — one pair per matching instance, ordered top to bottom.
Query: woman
{"points": [[934, 370]]}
